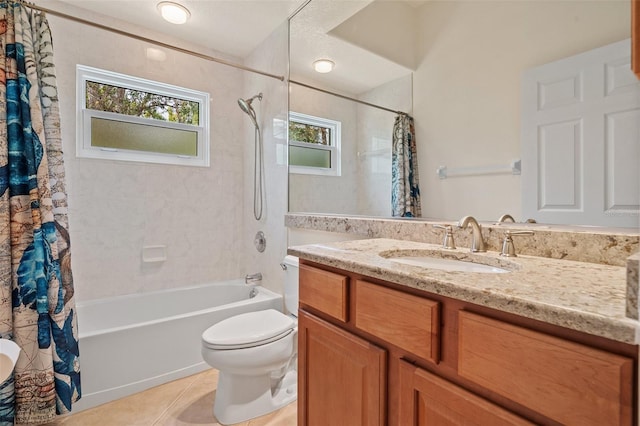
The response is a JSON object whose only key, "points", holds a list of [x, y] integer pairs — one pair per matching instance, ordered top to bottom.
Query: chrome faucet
{"points": [[477, 243], [253, 278]]}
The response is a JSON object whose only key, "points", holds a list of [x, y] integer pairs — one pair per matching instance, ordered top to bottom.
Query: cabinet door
{"points": [[341, 377], [568, 382], [427, 400]]}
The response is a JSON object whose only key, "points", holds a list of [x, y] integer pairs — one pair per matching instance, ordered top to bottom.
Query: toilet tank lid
{"points": [[291, 260], [251, 327]]}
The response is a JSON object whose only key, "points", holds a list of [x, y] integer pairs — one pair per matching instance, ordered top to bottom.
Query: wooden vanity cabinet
{"points": [[325, 291], [404, 320], [380, 354], [341, 377], [565, 381], [428, 400]]}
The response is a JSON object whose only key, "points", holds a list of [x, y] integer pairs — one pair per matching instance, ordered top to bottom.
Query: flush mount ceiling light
{"points": [[173, 12], [323, 66]]}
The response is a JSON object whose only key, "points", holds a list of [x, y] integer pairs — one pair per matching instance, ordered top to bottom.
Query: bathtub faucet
{"points": [[253, 278]]}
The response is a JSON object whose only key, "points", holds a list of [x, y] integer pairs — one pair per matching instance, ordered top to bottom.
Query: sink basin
{"points": [[447, 264]]}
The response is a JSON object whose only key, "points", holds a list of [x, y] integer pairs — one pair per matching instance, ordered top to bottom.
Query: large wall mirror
{"points": [[457, 67]]}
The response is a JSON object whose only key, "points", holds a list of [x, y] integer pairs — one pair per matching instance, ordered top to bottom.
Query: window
{"points": [[128, 118], [314, 145]]}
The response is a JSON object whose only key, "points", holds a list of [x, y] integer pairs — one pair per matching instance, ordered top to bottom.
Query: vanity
{"points": [[386, 338]]}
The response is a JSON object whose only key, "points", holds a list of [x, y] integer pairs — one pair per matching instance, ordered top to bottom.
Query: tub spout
{"points": [[253, 278]]}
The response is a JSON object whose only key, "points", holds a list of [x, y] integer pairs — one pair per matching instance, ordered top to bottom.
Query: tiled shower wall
{"points": [[270, 56], [117, 208]]}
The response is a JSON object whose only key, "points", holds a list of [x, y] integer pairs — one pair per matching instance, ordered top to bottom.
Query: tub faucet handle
{"points": [[447, 242]]}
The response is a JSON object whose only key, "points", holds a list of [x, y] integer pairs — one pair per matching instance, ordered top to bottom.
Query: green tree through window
{"points": [[137, 103], [304, 132]]}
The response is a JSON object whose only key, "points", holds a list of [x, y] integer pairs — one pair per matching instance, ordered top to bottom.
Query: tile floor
{"points": [[187, 401]]}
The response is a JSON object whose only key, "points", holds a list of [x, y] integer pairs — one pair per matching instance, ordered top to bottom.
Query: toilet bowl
{"points": [[256, 355]]}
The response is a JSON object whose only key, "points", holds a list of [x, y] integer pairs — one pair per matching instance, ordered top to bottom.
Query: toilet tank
{"points": [[291, 284]]}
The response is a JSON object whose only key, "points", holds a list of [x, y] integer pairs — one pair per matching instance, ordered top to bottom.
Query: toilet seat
{"points": [[248, 330]]}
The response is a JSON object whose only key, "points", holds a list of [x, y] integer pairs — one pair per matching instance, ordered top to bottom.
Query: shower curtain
{"points": [[405, 191], [37, 307]]}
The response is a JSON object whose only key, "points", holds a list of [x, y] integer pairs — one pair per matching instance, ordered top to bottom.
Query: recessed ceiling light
{"points": [[173, 12], [323, 65]]}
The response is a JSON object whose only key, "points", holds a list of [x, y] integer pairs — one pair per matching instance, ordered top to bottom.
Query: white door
{"points": [[581, 140]]}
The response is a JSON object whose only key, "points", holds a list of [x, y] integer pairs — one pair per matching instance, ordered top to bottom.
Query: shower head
{"points": [[245, 105]]}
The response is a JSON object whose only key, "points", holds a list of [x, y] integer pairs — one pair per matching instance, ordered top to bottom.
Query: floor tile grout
{"points": [[176, 399]]}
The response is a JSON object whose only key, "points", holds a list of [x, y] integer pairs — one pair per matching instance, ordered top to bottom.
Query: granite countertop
{"points": [[581, 296]]}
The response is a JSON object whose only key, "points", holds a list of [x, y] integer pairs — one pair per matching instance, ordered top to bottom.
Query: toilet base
{"points": [[241, 398]]}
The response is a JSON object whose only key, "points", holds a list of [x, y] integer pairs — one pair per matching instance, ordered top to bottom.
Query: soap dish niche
{"points": [[154, 254]]}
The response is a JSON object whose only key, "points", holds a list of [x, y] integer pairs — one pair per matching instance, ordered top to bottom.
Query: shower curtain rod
{"points": [[149, 40], [348, 98]]}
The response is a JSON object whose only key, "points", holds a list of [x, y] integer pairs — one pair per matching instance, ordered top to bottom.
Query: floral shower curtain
{"points": [[405, 191], [37, 307]]}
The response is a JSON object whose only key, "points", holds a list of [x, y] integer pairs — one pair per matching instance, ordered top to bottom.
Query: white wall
{"points": [[383, 27], [467, 89], [272, 111], [117, 208]]}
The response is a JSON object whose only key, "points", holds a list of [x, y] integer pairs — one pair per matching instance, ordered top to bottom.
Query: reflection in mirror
{"points": [[335, 31], [456, 67], [363, 186]]}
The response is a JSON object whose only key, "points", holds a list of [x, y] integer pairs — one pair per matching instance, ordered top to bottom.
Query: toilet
{"points": [[256, 356]]}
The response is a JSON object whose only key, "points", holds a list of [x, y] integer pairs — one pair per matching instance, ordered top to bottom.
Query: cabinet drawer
{"points": [[324, 291], [407, 321], [564, 381], [428, 400]]}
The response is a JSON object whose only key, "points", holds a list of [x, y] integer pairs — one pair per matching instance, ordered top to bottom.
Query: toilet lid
{"points": [[250, 329]]}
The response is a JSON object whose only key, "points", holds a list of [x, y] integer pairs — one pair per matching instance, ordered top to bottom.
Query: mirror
{"points": [[342, 32], [456, 67]]}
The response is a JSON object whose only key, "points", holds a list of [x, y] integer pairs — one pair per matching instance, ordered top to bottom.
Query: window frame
{"points": [[84, 148], [334, 148]]}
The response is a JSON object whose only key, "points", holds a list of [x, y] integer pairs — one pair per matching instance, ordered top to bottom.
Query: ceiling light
{"points": [[173, 12], [323, 65]]}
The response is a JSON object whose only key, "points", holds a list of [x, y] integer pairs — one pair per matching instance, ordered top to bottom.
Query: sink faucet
{"points": [[506, 218], [477, 243]]}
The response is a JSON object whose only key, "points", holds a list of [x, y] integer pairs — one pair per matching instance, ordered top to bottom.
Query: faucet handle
{"points": [[447, 242], [508, 248]]}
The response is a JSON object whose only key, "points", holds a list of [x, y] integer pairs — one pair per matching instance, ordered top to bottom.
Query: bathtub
{"points": [[134, 342]]}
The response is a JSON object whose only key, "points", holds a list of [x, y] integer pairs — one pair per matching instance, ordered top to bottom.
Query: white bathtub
{"points": [[134, 342]]}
